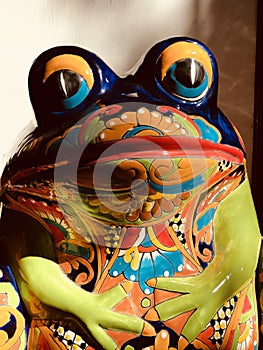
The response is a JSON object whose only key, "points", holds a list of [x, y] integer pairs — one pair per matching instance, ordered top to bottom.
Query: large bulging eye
{"points": [[184, 69], [186, 78], [68, 80], [65, 89]]}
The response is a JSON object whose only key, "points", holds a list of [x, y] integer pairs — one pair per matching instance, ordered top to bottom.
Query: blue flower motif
{"points": [[139, 264]]}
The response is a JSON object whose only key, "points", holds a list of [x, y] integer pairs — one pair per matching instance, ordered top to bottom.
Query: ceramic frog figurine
{"points": [[127, 219]]}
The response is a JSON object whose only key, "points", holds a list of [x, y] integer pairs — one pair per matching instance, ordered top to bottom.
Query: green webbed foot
{"points": [[236, 247], [47, 281], [197, 296]]}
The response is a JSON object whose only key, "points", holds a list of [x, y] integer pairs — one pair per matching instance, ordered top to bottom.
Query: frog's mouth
{"points": [[158, 147], [140, 162], [134, 163], [145, 179]]}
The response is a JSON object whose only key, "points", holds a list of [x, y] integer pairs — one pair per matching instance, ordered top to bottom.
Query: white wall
{"points": [[121, 31]]}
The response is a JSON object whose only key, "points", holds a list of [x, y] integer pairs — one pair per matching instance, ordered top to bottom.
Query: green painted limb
{"points": [[237, 242], [45, 278], [182, 285], [54, 288], [113, 296], [199, 298], [174, 307], [124, 323]]}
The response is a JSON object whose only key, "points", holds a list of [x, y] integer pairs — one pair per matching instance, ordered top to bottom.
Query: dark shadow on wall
{"points": [[232, 39], [237, 41], [257, 183]]}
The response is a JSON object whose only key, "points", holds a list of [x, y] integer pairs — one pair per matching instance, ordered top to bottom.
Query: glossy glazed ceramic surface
{"points": [[127, 217]]}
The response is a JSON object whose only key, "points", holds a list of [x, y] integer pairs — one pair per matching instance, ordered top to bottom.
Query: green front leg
{"points": [[237, 242], [47, 281]]}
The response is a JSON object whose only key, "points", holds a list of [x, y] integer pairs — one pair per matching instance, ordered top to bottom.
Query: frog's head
{"points": [[127, 151]]}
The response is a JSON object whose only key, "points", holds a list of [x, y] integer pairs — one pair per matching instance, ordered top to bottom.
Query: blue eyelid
{"points": [[184, 91], [77, 98]]}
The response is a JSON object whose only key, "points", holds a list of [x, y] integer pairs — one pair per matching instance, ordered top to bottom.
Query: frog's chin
{"points": [[102, 216], [136, 224], [116, 235], [112, 236]]}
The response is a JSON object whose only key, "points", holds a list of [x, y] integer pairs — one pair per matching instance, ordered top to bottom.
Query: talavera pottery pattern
{"points": [[127, 219]]}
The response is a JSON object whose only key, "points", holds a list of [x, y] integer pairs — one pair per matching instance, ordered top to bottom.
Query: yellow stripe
{"points": [[181, 50], [72, 62], [158, 244], [244, 335]]}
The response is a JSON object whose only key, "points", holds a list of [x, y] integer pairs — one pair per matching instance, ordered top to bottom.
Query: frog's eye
{"points": [[185, 70], [186, 78], [67, 81]]}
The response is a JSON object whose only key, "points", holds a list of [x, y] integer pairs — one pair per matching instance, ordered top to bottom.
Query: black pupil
{"points": [[189, 72], [63, 84]]}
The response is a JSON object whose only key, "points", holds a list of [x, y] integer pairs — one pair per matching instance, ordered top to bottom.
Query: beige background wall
{"points": [[121, 31]]}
